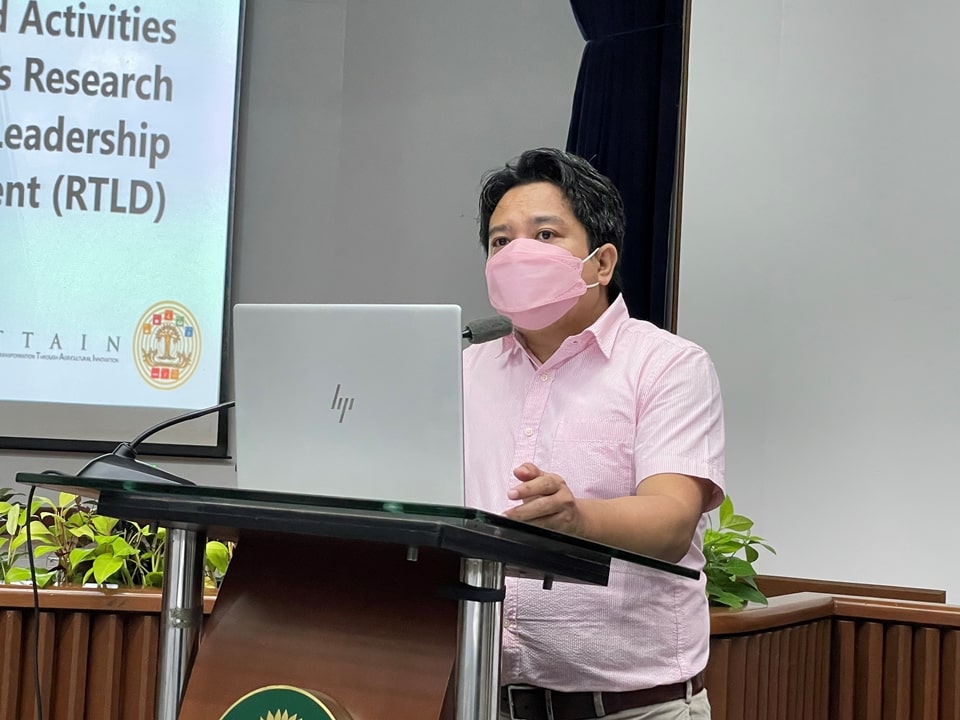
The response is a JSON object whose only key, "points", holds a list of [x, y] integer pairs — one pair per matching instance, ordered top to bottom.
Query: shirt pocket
{"points": [[595, 458]]}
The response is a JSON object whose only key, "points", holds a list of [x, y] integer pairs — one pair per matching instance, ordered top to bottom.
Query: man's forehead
{"points": [[535, 192], [529, 203]]}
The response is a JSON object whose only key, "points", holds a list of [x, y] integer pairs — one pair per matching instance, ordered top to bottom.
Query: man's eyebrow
{"points": [[554, 219], [538, 220], [498, 228]]}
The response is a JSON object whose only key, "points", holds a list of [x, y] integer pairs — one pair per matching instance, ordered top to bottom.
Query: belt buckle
{"points": [[510, 689], [547, 698]]}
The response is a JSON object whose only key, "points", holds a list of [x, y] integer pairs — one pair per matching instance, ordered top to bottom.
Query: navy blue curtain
{"points": [[625, 122]]}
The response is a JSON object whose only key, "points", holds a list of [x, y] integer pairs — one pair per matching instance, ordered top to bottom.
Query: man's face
{"points": [[539, 211]]}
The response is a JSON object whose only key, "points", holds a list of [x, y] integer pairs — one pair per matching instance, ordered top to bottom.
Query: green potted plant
{"points": [[74, 545], [730, 551]]}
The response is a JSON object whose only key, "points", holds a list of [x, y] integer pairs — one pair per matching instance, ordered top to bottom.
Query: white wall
{"points": [[366, 127], [818, 266]]}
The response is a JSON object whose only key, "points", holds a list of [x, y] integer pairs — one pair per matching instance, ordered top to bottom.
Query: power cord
{"points": [[36, 605], [38, 696]]}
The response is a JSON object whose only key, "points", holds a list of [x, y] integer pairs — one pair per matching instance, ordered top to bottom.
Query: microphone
{"points": [[487, 329], [122, 463]]}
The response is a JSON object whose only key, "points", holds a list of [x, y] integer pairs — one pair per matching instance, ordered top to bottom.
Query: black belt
{"points": [[524, 703]]}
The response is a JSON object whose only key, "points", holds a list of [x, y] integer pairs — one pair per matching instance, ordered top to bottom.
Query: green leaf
{"points": [[66, 499], [39, 503], [726, 510], [13, 519], [738, 523], [103, 524], [39, 530], [84, 531], [18, 540], [104, 542], [728, 547], [121, 548], [41, 550], [752, 554], [78, 555], [218, 555], [105, 566], [740, 568], [17, 574], [46, 578], [153, 579], [751, 594], [728, 599]]}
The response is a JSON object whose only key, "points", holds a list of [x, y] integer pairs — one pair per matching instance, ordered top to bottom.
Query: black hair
{"points": [[594, 199]]}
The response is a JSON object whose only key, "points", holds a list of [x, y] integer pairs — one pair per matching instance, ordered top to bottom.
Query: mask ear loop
{"points": [[584, 262]]}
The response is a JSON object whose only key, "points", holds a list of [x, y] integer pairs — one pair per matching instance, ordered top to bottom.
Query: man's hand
{"points": [[547, 501], [660, 520]]}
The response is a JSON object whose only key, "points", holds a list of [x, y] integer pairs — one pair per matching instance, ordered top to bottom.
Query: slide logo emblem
{"points": [[166, 346]]}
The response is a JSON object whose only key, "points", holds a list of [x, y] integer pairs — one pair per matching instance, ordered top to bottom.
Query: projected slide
{"points": [[116, 160]]}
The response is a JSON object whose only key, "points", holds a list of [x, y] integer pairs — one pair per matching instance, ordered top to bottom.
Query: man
{"points": [[591, 423]]}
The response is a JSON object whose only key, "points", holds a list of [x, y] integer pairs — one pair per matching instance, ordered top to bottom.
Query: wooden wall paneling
{"points": [[11, 644], [141, 648], [780, 660], [843, 670], [70, 671], [793, 671], [897, 671], [104, 672], [868, 672], [764, 673], [926, 674], [950, 675], [716, 677], [736, 677], [28, 703], [751, 710]]}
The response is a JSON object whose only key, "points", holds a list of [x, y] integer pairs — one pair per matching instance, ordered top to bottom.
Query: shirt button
{"points": [[544, 377], [528, 432], [507, 624]]}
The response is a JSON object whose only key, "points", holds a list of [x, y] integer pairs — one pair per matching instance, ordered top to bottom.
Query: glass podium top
{"points": [[527, 550]]}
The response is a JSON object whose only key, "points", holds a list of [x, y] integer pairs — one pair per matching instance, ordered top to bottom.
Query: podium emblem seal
{"points": [[281, 702]]}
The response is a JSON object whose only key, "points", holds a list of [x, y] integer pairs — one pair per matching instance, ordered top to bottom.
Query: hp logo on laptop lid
{"points": [[341, 403]]}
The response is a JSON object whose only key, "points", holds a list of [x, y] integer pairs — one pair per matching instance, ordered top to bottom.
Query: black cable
{"points": [[179, 419], [129, 449], [36, 606]]}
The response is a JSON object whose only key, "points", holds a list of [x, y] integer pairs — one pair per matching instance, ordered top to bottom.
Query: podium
{"points": [[345, 609]]}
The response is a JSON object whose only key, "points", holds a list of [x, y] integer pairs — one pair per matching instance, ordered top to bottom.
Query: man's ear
{"points": [[607, 257]]}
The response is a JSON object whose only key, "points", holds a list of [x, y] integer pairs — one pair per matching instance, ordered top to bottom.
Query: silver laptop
{"points": [[359, 401]]}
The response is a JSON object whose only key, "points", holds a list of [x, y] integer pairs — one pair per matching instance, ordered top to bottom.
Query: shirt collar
{"points": [[603, 331]]}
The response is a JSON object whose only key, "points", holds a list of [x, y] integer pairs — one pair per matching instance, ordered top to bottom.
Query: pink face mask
{"points": [[535, 283]]}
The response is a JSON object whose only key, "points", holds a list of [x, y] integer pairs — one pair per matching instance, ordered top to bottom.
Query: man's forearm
{"points": [[656, 525]]}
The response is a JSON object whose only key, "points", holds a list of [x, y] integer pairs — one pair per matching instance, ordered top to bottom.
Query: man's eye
{"points": [[545, 235], [499, 242]]}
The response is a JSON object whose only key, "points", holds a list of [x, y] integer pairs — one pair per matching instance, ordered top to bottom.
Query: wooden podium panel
{"points": [[353, 620]]}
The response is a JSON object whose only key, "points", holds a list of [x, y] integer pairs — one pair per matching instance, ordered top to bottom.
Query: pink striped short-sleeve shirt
{"points": [[617, 403]]}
